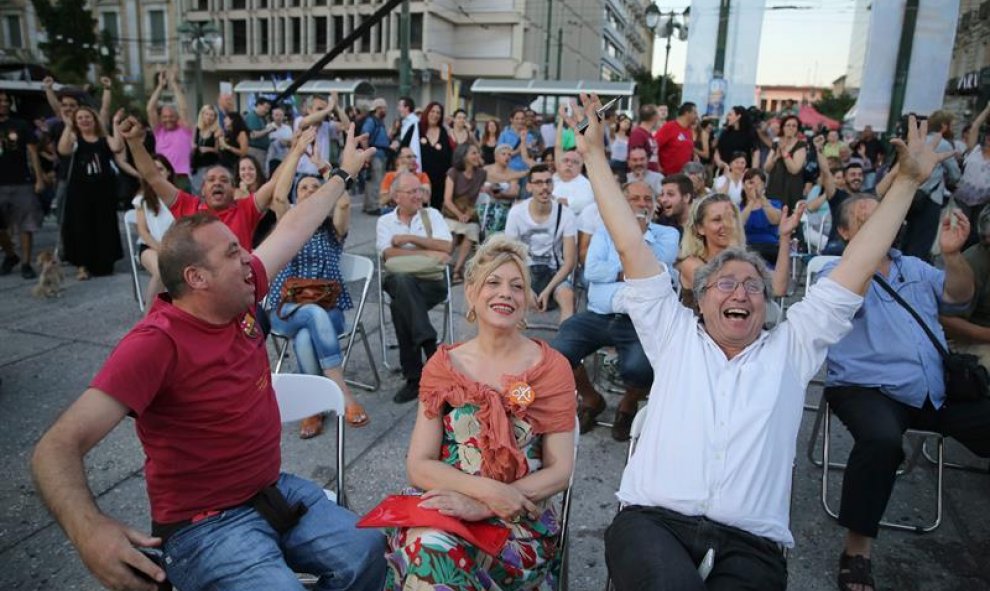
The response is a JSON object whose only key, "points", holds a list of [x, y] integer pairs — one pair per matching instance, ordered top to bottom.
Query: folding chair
{"points": [[130, 220], [353, 269], [811, 271], [447, 334], [300, 396], [920, 436], [565, 513]]}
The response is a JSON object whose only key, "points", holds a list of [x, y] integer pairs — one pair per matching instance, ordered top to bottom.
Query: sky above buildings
{"points": [[804, 42]]}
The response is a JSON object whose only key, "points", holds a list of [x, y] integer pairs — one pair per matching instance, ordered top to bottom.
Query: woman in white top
{"points": [[618, 160], [731, 181], [973, 191], [153, 219]]}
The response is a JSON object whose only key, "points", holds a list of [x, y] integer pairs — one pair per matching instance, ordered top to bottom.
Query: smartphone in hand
{"points": [[600, 112]]}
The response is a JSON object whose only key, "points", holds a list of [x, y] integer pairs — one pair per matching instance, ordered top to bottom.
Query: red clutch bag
{"points": [[404, 511]]}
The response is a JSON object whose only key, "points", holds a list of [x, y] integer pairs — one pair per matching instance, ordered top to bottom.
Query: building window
{"points": [[319, 2], [199, 4], [238, 4], [261, 4], [109, 22], [338, 29], [156, 30], [320, 30], [12, 31], [238, 32], [416, 34], [280, 35], [366, 38], [297, 39], [263, 42]]}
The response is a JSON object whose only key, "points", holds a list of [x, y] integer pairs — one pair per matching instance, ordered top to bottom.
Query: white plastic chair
{"points": [[130, 220], [353, 269], [447, 334], [300, 396]]}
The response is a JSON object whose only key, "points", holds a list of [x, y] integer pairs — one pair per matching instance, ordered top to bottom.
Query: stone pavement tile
{"points": [[16, 346]]}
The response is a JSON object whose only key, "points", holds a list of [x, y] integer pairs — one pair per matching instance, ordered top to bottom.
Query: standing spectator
{"points": [[318, 112], [410, 121], [170, 124], [259, 129], [461, 132], [766, 132], [703, 134], [516, 136], [641, 136], [737, 136], [377, 137], [281, 140], [489, 140], [675, 140], [234, 141], [872, 143], [833, 144], [435, 150], [206, 151], [619, 157], [404, 162], [785, 164], [639, 169], [699, 178], [21, 181], [731, 181], [464, 182], [505, 190], [973, 192], [835, 195], [674, 202], [760, 216], [153, 219], [549, 231], [90, 234], [970, 329]]}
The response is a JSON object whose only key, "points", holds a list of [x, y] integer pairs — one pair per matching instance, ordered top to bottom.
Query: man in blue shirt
{"points": [[374, 128], [585, 333], [886, 376]]}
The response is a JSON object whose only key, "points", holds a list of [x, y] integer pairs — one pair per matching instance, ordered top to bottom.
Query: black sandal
{"points": [[588, 414], [622, 425], [855, 570]]}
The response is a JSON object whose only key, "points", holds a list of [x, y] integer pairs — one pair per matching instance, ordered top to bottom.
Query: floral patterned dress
{"points": [[430, 559]]}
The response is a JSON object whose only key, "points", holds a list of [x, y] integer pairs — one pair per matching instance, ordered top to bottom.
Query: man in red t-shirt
{"points": [[641, 136], [675, 140], [216, 195], [195, 375]]}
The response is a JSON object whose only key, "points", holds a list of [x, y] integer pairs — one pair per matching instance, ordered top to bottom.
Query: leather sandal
{"points": [[588, 414], [355, 416], [622, 425], [311, 427], [855, 570]]}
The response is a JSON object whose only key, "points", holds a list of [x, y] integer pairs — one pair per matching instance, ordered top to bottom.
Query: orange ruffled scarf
{"points": [[543, 396]]}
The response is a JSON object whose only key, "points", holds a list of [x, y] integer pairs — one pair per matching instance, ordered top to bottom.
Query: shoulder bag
{"points": [[422, 266], [965, 379]]}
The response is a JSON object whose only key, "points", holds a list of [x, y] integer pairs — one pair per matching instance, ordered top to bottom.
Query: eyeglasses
{"points": [[729, 285]]}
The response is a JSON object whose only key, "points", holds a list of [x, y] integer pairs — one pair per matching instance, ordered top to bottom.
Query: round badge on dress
{"points": [[423, 141], [436, 146], [521, 394]]}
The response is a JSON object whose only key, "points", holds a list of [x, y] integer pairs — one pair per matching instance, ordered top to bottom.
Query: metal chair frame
{"points": [[130, 219], [353, 268], [565, 513]]}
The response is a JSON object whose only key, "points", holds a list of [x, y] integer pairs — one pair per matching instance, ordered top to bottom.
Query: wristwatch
{"points": [[348, 179]]}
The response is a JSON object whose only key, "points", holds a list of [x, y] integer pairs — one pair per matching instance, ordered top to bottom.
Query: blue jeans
{"points": [[314, 333], [584, 333], [238, 550]]}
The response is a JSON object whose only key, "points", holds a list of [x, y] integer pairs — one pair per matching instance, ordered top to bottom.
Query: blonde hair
{"points": [[202, 126], [692, 242], [495, 252]]}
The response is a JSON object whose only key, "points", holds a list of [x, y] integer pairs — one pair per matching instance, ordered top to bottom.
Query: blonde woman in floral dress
{"points": [[493, 442]]}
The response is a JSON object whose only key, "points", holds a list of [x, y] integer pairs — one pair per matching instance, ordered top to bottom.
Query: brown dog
{"points": [[50, 279]]}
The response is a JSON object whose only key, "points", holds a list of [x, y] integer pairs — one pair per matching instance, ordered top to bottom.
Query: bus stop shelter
{"points": [[347, 89], [498, 96]]}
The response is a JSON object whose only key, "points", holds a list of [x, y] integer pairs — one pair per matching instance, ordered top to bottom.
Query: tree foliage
{"points": [[71, 45], [648, 89], [834, 107]]}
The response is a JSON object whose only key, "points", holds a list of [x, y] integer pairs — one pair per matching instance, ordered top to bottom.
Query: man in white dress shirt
{"points": [[712, 470]]}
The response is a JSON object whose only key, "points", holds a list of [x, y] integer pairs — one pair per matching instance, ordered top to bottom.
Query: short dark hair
{"points": [[262, 101], [408, 102], [686, 108], [517, 110], [459, 111], [647, 112], [738, 154], [457, 160], [854, 164], [537, 168], [751, 172], [683, 182], [180, 250]]}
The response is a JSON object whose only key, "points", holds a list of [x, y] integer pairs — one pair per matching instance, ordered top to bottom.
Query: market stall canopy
{"points": [[362, 87], [552, 87], [810, 117]]}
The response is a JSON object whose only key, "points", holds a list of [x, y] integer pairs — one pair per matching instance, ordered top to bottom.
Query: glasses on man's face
{"points": [[540, 183], [728, 285]]}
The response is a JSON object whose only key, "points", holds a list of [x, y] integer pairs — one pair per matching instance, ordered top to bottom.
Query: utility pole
{"points": [[723, 34], [546, 62], [903, 64], [405, 66]]}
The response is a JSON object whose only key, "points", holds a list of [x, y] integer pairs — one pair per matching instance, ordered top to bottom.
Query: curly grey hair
{"points": [[734, 253]]}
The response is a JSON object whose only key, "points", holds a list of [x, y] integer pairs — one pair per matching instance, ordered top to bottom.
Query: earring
{"points": [[471, 315]]}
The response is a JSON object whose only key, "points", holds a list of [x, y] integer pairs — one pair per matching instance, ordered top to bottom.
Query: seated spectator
{"points": [[170, 124], [405, 161], [639, 169], [699, 178], [730, 182], [462, 186], [570, 187], [505, 189], [835, 190], [973, 192], [216, 196], [674, 202], [760, 216], [153, 220], [547, 228], [413, 229], [601, 325], [312, 328], [970, 331], [196, 369], [886, 376], [493, 441], [713, 466]]}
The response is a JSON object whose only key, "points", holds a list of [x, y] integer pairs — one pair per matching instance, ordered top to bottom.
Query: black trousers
{"points": [[921, 229], [412, 299], [877, 423], [656, 549]]}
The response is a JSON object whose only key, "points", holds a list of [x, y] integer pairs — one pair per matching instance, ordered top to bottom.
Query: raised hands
{"points": [[106, 82], [48, 83], [131, 129], [304, 139], [592, 141], [353, 158], [789, 223], [955, 231]]}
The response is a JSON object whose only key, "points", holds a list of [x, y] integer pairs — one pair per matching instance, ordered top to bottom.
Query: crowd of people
{"points": [[677, 237]]}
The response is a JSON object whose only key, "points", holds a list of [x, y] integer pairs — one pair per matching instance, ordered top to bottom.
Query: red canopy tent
{"points": [[812, 118]]}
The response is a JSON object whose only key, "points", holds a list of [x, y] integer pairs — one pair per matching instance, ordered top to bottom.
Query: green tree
{"points": [[71, 45], [648, 89], [834, 107]]}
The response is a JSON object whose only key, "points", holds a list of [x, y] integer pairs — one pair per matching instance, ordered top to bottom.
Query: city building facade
{"points": [[968, 88]]}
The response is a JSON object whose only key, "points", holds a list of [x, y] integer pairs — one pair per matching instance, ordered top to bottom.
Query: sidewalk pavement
{"points": [[49, 350]]}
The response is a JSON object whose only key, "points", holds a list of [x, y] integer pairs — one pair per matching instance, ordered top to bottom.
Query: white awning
{"points": [[25, 85], [362, 87], [552, 87]]}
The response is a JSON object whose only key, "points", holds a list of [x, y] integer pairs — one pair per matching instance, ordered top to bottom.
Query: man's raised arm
{"points": [[916, 160], [298, 225], [637, 260]]}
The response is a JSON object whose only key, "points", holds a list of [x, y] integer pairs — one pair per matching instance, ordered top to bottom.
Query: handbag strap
{"points": [[424, 217], [553, 238], [917, 318]]}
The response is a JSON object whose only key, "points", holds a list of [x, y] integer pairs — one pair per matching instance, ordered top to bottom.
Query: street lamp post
{"points": [[666, 30], [203, 37]]}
